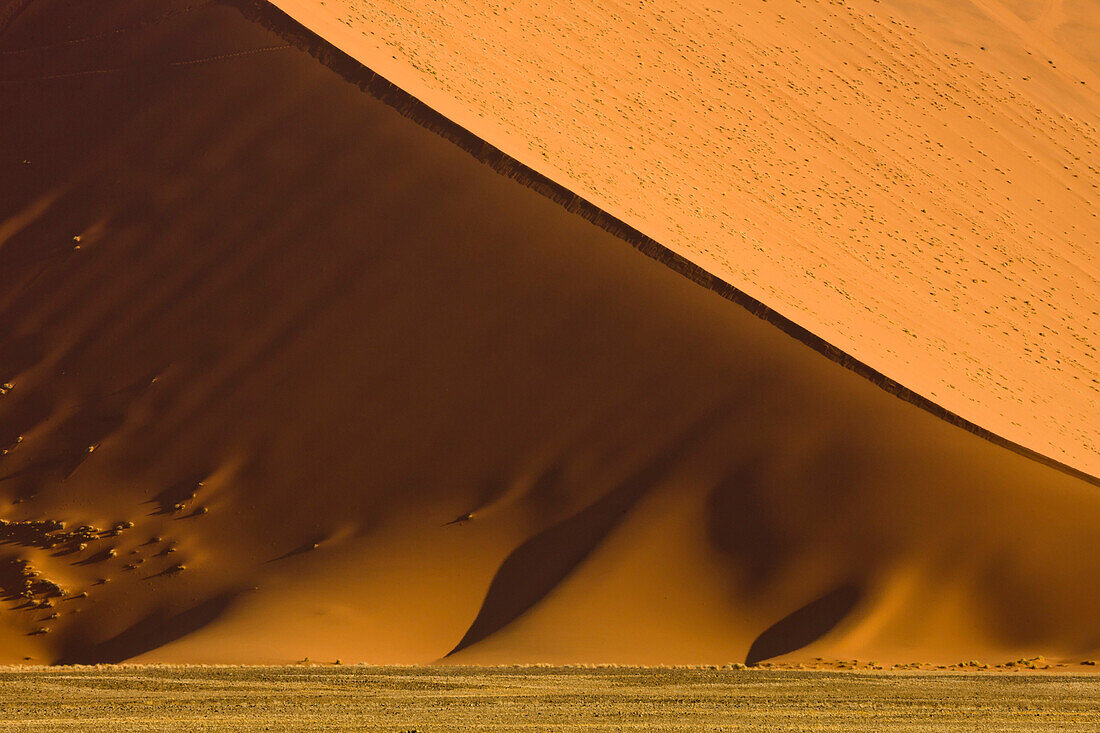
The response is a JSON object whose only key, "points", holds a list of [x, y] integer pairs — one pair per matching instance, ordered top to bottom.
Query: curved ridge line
{"points": [[355, 72]]}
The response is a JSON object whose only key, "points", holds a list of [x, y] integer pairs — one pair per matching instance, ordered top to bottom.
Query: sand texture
{"points": [[914, 181], [287, 374], [136, 698]]}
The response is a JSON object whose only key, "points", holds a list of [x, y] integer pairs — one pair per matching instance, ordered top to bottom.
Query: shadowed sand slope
{"points": [[914, 181], [286, 374]]}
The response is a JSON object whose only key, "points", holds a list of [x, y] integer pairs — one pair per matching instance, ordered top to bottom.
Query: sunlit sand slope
{"points": [[914, 181], [286, 374]]}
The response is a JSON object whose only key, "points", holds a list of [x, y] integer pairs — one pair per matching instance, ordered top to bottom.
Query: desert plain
{"points": [[363, 698]]}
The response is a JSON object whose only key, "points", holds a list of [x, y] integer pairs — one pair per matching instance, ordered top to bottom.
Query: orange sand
{"points": [[915, 181], [406, 405]]}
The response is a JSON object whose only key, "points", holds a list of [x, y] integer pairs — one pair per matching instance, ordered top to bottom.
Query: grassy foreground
{"points": [[361, 698]]}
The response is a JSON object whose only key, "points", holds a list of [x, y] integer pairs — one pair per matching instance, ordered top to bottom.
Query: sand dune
{"points": [[914, 181], [287, 374]]}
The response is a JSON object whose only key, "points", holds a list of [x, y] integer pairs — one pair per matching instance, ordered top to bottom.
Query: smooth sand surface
{"points": [[915, 181], [302, 378], [136, 698]]}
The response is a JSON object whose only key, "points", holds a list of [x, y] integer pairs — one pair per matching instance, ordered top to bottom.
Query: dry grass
{"points": [[510, 698]]}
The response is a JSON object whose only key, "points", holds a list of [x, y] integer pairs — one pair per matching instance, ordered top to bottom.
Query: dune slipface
{"points": [[914, 181], [287, 374]]}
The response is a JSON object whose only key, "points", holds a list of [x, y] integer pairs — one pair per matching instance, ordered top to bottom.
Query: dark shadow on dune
{"points": [[10, 11], [356, 73], [18, 352], [72, 441], [544, 491], [178, 493], [769, 510], [459, 520], [740, 525], [307, 546], [101, 556], [537, 566], [167, 572], [806, 625], [157, 629]]}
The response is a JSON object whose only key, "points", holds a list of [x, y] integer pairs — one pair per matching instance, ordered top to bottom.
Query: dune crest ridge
{"points": [[367, 79], [912, 181]]}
